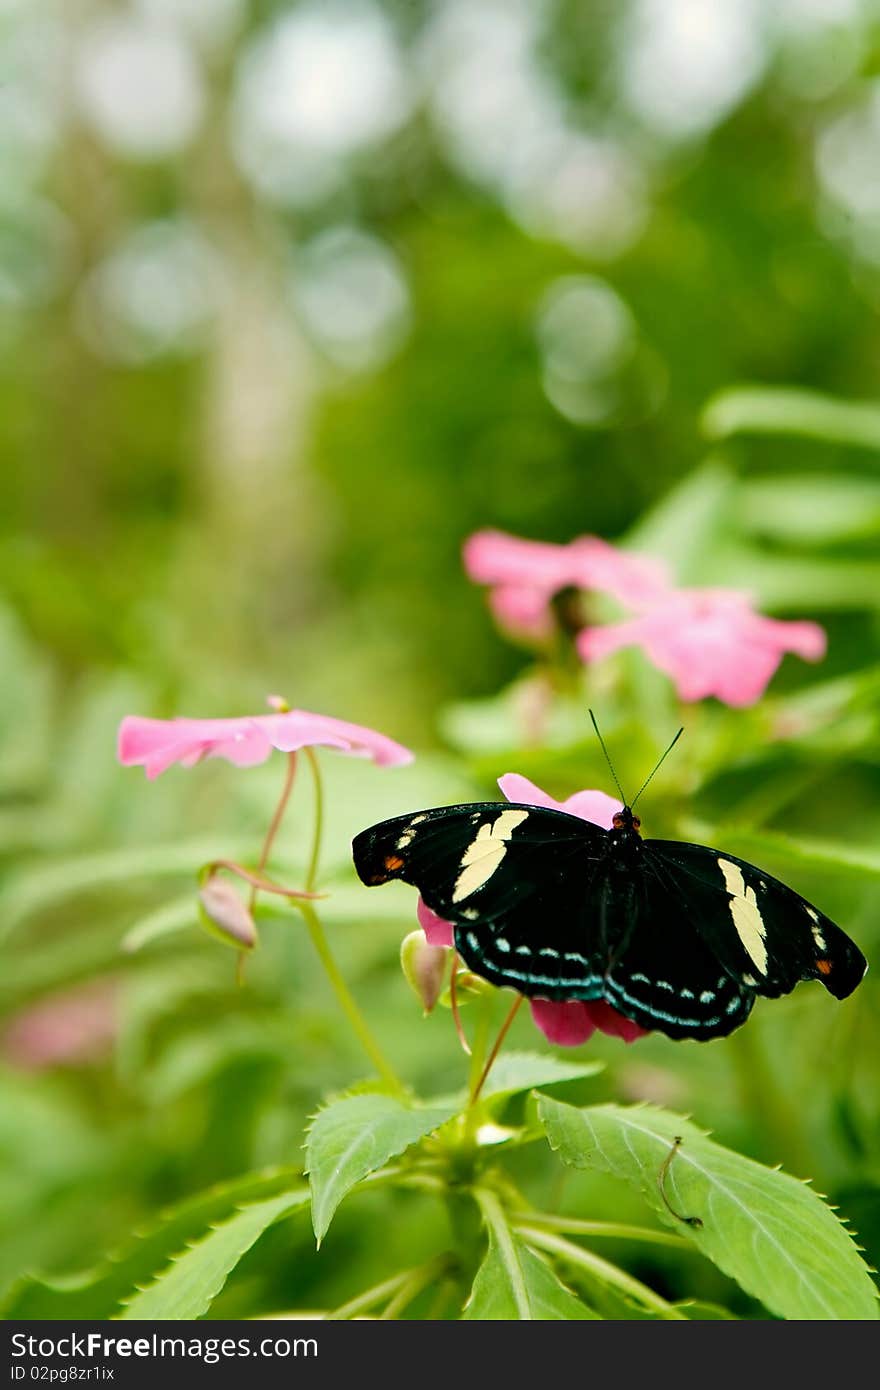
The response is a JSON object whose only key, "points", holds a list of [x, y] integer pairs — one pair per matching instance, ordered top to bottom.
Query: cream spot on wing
{"points": [[507, 823], [405, 838], [485, 853], [745, 913], [819, 938]]}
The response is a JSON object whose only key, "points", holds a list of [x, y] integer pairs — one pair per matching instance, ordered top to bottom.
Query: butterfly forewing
{"points": [[484, 859], [515, 882], [764, 933]]}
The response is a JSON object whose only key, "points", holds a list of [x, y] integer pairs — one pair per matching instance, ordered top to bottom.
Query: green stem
{"points": [[312, 871], [345, 998], [502, 1034], [481, 1038], [614, 1230], [601, 1269], [417, 1280], [369, 1298]]}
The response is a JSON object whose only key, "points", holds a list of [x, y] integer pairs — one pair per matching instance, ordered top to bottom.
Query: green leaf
{"points": [[792, 411], [815, 509], [684, 527], [860, 860], [38, 887], [175, 916], [521, 1071], [354, 1136], [768, 1231], [191, 1282], [513, 1283], [98, 1293]]}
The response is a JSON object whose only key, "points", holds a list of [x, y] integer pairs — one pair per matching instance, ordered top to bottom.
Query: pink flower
{"points": [[524, 576], [710, 641], [157, 743], [567, 1022], [74, 1027]]}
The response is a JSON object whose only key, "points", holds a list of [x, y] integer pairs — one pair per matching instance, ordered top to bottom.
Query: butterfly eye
{"points": [[636, 822]]}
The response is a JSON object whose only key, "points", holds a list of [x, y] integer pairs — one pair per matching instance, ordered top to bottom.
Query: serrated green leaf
{"points": [[792, 411], [521, 1071], [354, 1136], [765, 1229], [190, 1283], [513, 1283], [98, 1293]]}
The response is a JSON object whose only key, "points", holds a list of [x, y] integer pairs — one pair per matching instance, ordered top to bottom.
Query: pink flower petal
{"points": [[493, 557], [526, 574], [632, 579], [525, 612], [709, 642], [298, 729], [157, 743], [519, 788], [593, 806], [438, 931], [608, 1020], [568, 1024]]}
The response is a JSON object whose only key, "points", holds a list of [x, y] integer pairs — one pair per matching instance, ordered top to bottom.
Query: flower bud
{"points": [[225, 915], [424, 967], [467, 986]]}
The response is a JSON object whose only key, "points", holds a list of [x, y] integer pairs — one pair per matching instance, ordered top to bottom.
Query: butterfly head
{"points": [[625, 820]]}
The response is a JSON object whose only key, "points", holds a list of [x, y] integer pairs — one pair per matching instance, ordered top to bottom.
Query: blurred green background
{"points": [[294, 298]]}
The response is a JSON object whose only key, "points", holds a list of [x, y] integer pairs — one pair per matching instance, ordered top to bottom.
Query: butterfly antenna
{"points": [[665, 755], [607, 759]]}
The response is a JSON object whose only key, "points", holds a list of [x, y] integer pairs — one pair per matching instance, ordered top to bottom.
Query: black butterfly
{"points": [[676, 937]]}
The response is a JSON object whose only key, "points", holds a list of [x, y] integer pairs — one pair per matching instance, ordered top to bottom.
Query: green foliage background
{"points": [[190, 521]]}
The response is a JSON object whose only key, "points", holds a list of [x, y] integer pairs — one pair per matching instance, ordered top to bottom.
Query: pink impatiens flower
{"points": [[525, 575], [710, 642], [247, 740], [566, 1022]]}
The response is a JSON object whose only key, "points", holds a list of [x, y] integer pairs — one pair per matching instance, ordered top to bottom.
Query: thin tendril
{"points": [[274, 824], [456, 1013], [502, 1034], [695, 1221]]}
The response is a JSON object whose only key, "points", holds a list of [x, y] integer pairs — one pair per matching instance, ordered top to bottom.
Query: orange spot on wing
{"points": [[393, 862], [824, 967]]}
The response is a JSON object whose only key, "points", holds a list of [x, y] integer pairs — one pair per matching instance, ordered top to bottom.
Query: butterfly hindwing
{"points": [[763, 932], [664, 973]]}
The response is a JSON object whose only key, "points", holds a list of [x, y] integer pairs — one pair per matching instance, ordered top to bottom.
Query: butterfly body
{"points": [[677, 937]]}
